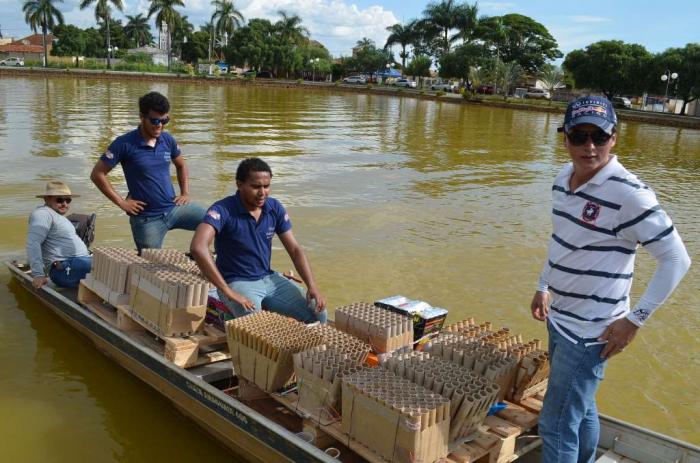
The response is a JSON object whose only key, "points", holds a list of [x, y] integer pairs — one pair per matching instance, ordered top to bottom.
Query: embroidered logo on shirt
{"points": [[109, 155], [166, 156], [590, 212], [213, 214], [286, 217]]}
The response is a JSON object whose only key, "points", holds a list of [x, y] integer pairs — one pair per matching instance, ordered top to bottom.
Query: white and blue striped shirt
{"points": [[590, 263]]}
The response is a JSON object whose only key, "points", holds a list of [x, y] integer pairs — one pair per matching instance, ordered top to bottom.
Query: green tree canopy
{"points": [[103, 13], [42, 15], [138, 30], [520, 39], [71, 40], [197, 47], [458, 62], [686, 63], [419, 66], [612, 66]]}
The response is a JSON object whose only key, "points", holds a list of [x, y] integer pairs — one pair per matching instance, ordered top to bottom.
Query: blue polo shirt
{"points": [[146, 169], [244, 246]]}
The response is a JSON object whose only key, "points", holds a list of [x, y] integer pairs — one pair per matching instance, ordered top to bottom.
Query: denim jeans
{"points": [[149, 232], [71, 271], [276, 294], [568, 422]]}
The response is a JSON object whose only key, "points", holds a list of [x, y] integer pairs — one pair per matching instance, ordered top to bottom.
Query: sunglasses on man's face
{"points": [[158, 121], [579, 137], [61, 200]]}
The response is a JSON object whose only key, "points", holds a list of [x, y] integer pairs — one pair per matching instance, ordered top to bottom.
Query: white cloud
{"points": [[497, 6], [582, 18]]}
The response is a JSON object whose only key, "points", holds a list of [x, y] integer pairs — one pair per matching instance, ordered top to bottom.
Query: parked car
{"points": [[12, 61], [355, 80], [405, 83], [445, 86], [486, 89], [537, 94], [621, 102]]}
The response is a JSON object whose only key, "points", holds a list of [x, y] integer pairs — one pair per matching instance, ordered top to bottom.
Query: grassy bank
{"points": [[138, 71]]}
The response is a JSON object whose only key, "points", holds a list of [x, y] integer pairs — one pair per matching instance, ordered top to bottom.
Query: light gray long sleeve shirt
{"points": [[51, 238]]}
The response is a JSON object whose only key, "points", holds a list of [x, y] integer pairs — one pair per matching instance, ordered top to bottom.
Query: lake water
{"points": [[440, 202]]}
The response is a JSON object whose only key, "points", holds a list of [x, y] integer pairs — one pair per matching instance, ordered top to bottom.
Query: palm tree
{"points": [[103, 12], [42, 14], [165, 14], [226, 18], [441, 18], [467, 22], [208, 27], [290, 28], [138, 30], [493, 32], [404, 35], [364, 42], [506, 75], [552, 77]]}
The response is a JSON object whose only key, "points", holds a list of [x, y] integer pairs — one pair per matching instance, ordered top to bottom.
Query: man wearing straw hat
{"points": [[601, 213], [54, 249]]}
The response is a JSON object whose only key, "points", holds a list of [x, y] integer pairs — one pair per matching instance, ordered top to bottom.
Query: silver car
{"points": [[12, 61], [355, 80], [405, 83], [444, 86]]}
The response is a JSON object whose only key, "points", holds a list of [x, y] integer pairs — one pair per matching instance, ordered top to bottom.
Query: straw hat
{"points": [[56, 188]]}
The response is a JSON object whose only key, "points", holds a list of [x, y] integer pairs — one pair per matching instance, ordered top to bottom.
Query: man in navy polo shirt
{"points": [[145, 154], [601, 212], [242, 227]]}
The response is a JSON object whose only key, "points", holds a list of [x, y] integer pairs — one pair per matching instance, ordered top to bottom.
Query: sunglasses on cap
{"points": [[158, 121], [579, 137], [61, 199]]}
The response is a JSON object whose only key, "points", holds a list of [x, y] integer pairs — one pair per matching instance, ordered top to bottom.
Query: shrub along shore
{"points": [[671, 120]]}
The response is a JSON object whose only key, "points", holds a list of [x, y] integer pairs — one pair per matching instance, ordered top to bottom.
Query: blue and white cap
{"points": [[595, 110]]}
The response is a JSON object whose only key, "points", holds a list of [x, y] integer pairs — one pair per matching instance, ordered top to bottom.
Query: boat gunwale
{"points": [[239, 414]]}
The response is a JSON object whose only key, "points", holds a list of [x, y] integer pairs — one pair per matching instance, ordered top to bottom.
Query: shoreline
{"points": [[669, 120]]}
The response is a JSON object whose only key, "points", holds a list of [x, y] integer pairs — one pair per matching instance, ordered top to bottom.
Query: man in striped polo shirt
{"points": [[601, 212]]}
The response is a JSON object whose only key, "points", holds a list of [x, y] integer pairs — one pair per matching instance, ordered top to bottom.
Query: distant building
{"points": [[30, 48], [158, 55]]}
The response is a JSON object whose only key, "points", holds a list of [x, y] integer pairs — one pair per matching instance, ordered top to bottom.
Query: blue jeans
{"points": [[149, 232], [69, 272], [276, 294], [568, 422]]}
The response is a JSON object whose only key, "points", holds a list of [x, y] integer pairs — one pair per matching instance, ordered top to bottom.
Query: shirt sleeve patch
{"points": [[214, 214], [286, 217]]}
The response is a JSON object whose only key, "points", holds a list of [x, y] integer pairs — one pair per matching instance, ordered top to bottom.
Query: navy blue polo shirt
{"points": [[146, 169], [244, 246]]}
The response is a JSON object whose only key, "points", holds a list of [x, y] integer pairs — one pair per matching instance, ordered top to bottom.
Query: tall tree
{"points": [[103, 12], [42, 14], [165, 14], [441, 18], [226, 19], [467, 22], [290, 29], [138, 30], [181, 33], [403, 35], [71, 41], [365, 42], [525, 42], [686, 63], [611, 66], [419, 67], [506, 75]]}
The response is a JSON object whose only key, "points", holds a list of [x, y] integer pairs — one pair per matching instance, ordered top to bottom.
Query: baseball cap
{"points": [[595, 110]]}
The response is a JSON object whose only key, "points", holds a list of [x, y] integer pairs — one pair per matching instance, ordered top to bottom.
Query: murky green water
{"points": [[440, 202]]}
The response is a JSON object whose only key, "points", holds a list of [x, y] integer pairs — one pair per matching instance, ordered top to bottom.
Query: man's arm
{"points": [[99, 178], [183, 179], [39, 226], [199, 248], [301, 263], [540, 301]]}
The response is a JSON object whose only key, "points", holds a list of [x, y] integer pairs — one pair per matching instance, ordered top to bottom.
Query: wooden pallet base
{"points": [[198, 349], [502, 439]]}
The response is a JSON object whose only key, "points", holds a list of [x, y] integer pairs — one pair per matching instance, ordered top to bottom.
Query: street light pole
{"points": [[314, 61], [667, 77]]}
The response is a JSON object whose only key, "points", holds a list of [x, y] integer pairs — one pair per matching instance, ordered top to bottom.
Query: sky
{"points": [[338, 24]]}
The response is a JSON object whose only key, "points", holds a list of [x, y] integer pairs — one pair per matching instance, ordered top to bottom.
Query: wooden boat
{"points": [[247, 431]]}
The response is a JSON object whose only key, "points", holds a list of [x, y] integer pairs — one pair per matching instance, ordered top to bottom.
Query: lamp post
{"points": [[110, 52], [314, 62], [388, 70], [667, 77]]}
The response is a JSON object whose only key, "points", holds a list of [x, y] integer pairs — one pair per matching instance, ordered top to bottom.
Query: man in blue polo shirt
{"points": [[145, 154], [601, 213], [242, 227]]}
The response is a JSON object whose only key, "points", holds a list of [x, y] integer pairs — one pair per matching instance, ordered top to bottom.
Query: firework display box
{"points": [[217, 312], [426, 318]]}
